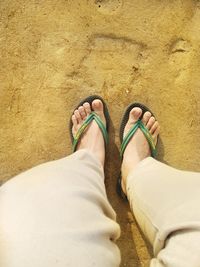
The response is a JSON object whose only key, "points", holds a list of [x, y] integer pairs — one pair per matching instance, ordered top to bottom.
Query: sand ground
{"points": [[54, 53]]}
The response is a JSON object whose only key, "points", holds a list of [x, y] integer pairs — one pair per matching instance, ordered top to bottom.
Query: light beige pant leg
{"points": [[166, 204], [57, 215]]}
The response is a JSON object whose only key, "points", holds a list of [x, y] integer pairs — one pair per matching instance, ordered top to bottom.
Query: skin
{"points": [[92, 139]]}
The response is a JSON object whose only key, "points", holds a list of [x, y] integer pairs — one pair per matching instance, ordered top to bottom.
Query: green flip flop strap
{"points": [[90, 118], [147, 134]]}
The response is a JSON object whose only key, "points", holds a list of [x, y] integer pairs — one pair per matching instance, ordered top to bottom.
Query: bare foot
{"points": [[92, 138], [138, 147]]}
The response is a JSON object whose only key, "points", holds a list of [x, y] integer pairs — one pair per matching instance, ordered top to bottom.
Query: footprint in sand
{"points": [[180, 58], [112, 64]]}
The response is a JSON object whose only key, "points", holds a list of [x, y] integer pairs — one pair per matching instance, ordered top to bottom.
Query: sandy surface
{"points": [[54, 53]]}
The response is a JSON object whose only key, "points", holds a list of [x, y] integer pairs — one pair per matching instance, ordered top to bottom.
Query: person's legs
{"points": [[164, 201], [57, 214]]}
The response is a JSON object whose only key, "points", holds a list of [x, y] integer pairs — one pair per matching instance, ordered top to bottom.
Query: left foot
{"points": [[92, 139]]}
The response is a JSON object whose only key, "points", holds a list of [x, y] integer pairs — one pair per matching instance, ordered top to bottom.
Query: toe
{"points": [[97, 106], [87, 108], [82, 112], [134, 115], [78, 116], [146, 117], [74, 121], [150, 122], [75, 125], [154, 127], [156, 133]]}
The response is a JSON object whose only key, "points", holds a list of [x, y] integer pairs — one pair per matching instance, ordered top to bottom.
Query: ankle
{"points": [[100, 155], [129, 163], [125, 170]]}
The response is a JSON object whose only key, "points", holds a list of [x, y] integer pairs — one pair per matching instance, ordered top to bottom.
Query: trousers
{"points": [[57, 214]]}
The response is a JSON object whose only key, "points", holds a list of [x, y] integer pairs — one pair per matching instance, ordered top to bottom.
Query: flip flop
{"points": [[88, 120], [124, 141]]}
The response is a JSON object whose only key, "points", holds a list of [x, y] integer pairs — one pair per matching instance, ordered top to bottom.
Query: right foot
{"points": [[138, 147]]}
